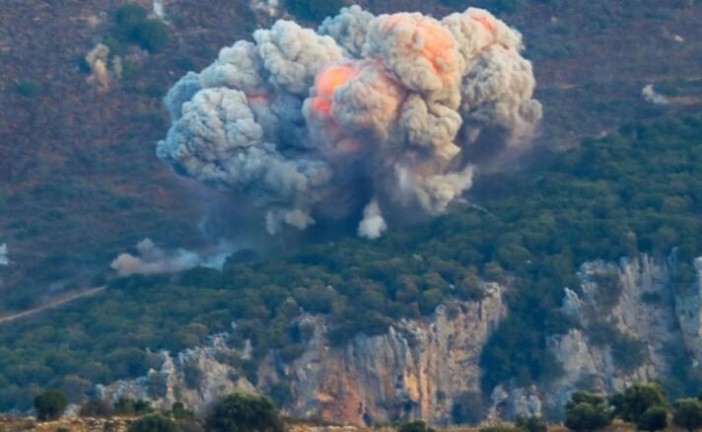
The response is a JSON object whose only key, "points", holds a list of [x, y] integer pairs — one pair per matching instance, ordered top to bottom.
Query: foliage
{"points": [[315, 10], [133, 26], [29, 89], [638, 190], [628, 353], [635, 401], [50, 404], [126, 406], [179, 411], [244, 412], [586, 412], [687, 414], [653, 419], [154, 423], [530, 424], [415, 426]]}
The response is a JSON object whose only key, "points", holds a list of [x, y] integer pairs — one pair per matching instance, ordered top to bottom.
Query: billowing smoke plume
{"points": [[369, 117], [152, 260]]}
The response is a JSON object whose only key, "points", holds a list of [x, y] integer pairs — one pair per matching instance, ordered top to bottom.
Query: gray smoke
{"points": [[651, 95], [390, 114], [151, 259]]}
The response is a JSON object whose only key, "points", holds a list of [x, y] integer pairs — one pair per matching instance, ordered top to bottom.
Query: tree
{"points": [[313, 9], [50, 404], [631, 405], [244, 412], [586, 412], [687, 413], [653, 419], [154, 423], [530, 424], [415, 426]]}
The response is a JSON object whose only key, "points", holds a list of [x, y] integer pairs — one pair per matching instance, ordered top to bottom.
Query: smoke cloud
{"points": [[651, 95], [368, 117], [151, 259]]}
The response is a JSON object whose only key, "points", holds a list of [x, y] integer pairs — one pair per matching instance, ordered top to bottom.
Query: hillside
{"points": [[79, 180], [531, 239], [547, 263]]}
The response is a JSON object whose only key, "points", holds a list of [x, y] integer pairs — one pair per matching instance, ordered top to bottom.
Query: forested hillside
{"points": [[635, 191]]}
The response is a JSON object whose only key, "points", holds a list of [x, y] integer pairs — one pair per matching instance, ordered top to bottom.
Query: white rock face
{"points": [[688, 306], [647, 310], [419, 368], [415, 370], [212, 378]]}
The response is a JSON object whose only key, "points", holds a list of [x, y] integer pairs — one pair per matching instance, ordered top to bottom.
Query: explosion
{"points": [[368, 117]]}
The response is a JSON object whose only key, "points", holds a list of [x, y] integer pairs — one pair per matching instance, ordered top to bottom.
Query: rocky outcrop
{"points": [[688, 305], [645, 312], [627, 319], [416, 370]]}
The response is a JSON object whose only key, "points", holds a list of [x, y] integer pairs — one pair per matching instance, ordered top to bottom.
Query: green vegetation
{"points": [[495, 6], [313, 10], [132, 26], [29, 89], [638, 190], [633, 404], [50, 405], [244, 412], [587, 412], [687, 414], [653, 419], [154, 423], [530, 424], [414, 426]]}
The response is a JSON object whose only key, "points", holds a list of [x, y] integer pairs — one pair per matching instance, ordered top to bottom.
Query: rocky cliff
{"points": [[627, 318], [415, 370]]}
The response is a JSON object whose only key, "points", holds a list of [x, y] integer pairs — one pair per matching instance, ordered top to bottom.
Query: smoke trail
{"points": [[391, 114], [153, 260]]}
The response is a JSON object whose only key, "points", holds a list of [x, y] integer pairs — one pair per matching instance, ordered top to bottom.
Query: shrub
{"points": [[314, 10], [133, 26], [151, 35], [29, 89], [50, 404], [631, 405], [244, 412], [586, 412], [687, 414], [653, 419], [154, 423], [531, 424], [415, 426]]}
